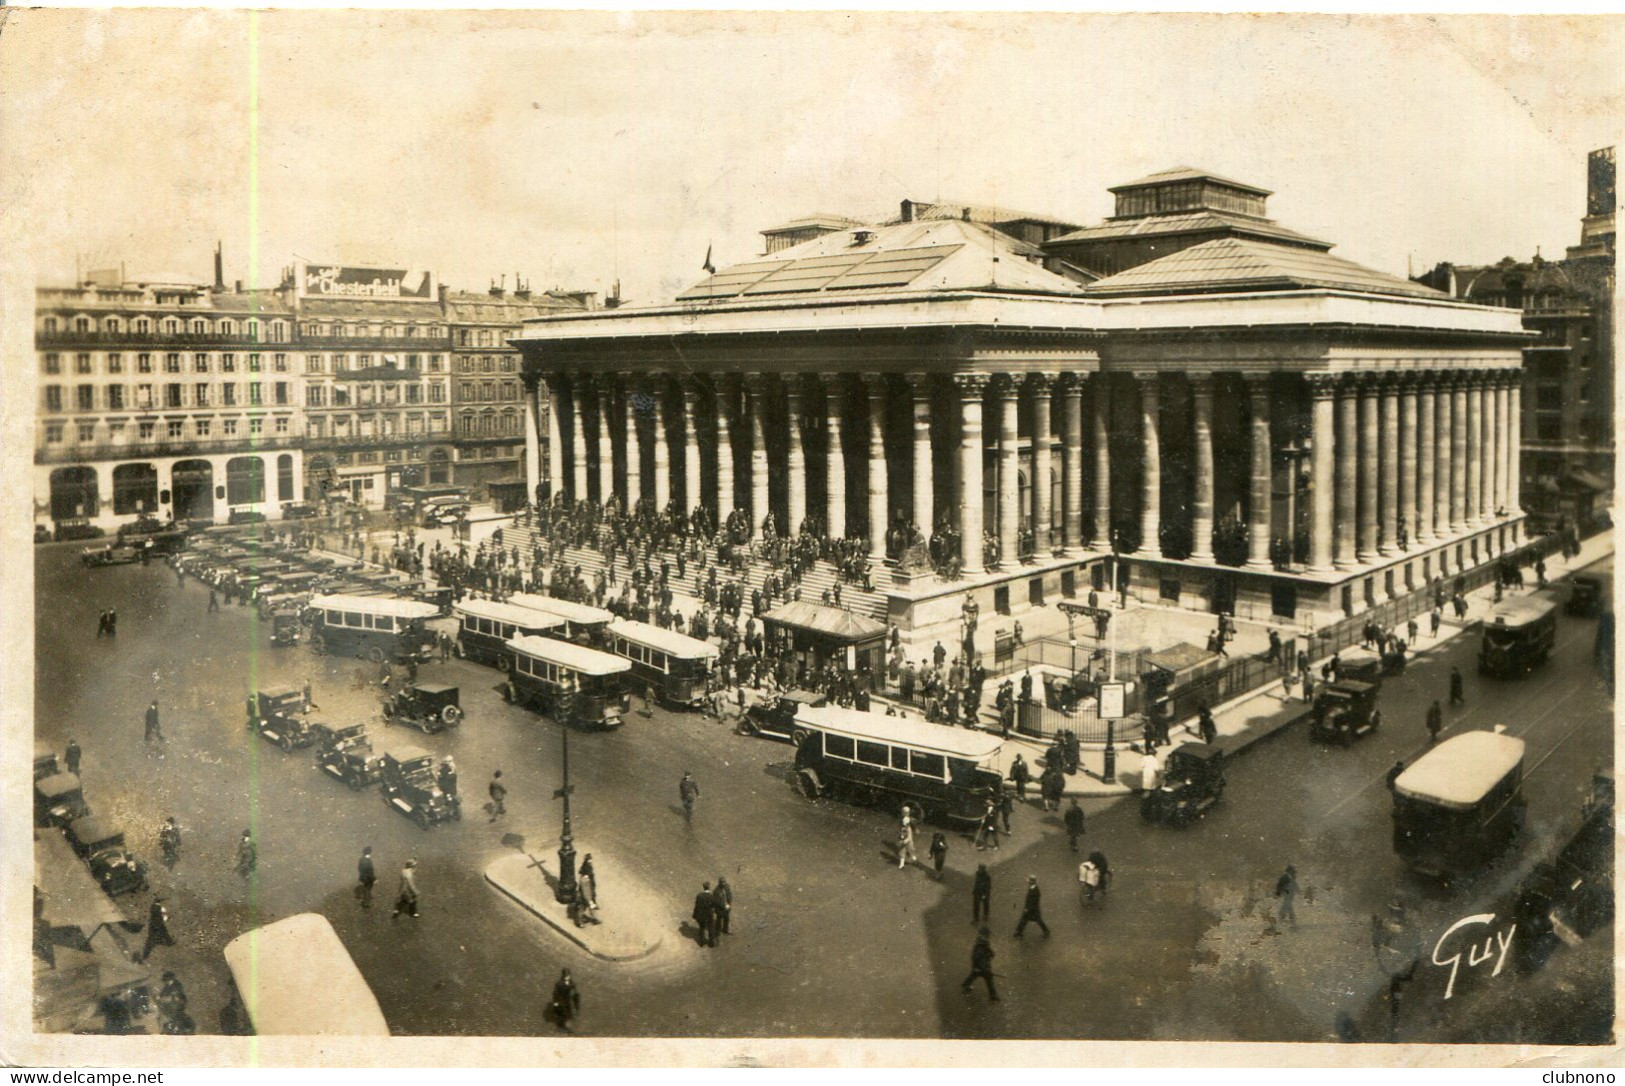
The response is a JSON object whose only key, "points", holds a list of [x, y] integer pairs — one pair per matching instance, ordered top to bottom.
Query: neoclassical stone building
{"points": [[1256, 424]]}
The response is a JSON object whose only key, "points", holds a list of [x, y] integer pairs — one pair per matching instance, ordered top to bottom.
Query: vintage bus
{"points": [[583, 624], [376, 627], [485, 627], [1518, 636], [674, 667], [570, 683], [868, 758], [1460, 804], [294, 978]]}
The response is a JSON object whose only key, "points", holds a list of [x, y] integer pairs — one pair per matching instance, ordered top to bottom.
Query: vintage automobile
{"points": [[297, 510], [114, 554], [1587, 593], [285, 627], [428, 707], [1343, 711], [275, 714], [777, 719], [347, 754], [45, 764], [1192, 782], [411, 787], [58, 800], [102, 848]]}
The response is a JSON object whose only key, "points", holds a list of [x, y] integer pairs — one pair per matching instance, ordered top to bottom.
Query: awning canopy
{"points": [[831, 622]]}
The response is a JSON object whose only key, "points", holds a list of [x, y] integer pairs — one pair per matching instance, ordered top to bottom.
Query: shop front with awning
{"points": [[819, 634]]}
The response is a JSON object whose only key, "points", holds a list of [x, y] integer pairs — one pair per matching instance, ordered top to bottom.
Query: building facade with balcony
{"points": [[163, 398], [1188, 401], [489, 408], [1567, 461]]}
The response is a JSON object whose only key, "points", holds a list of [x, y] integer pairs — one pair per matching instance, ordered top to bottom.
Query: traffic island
{"points": [[633, 919]]}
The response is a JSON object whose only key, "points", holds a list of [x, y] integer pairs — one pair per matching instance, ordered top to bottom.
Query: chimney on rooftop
{"points": [[908, 210], [219, 267]]}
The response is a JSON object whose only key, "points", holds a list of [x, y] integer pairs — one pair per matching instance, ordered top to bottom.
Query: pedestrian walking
{"points": [[214, 601], [1436, 618], [101, 623], [1411, 630], [1308, 686], [1456, 695], [309, 697], [1435, 722], [1206, 726], [153, 730], [71, 756], [1150, 770], [1020, 774], [1053, 786], [688, 790], [499, 792], [1006, 808], [1074, 823], [987, 834], [169, 841], [905, 843], [938, 853], [247, 855], [1094, 874], [366, 876], [1286, 888], [981, 895], [406, 899], [586, 900], [725, 904], [1031, 910], [705, 915], [157, 929], [981, 965], [566, 1001]]}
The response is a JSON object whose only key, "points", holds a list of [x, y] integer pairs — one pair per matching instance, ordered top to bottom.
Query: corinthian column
{"points": [[875, 385], [971, 386], [604, 388], [656, 390], [1323, 394], [1473, 395], [756, 398], [1202, 438], [578, 439], [1427, 441], [533, 444], [634, 447], [725, 448], [1151, 453], [1458, 454], [795, 457], [1348, 457], [834, 458], [1407, 458], [1071, 466], [1368, 467], [1390, 472], [924, 496], [1258, 499], [1008, 514], [1043, 522], [1100, 523]]}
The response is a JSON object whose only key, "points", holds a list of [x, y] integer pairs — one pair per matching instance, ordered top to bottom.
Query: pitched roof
{"points": [[1187, 173], [817, 218], [1188, 222], [933, 255], [1234, 264], [830, 621]]}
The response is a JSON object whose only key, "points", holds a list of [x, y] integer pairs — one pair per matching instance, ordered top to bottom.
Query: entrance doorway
{"points": [[193, 488]]}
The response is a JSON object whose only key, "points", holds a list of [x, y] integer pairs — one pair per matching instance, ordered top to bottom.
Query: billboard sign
{"points": [[348, 281]]}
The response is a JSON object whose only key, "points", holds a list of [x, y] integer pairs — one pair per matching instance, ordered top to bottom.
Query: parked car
{"points": [[297, 510], [245, 516], [109, 555], [428, 707], [1344, 711], [274, 713], [777, 719], [347, 754], [1192, 782], [410, 787], [58, 800], [101, 846]]}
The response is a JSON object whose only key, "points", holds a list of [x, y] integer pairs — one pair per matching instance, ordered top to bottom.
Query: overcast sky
{"points": [[577, 148]]}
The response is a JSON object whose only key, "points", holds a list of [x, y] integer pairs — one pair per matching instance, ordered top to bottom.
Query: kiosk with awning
{"points": [[819, 634]]}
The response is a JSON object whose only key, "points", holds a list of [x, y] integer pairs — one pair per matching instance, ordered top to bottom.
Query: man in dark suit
{"points": [[981, 893], [1030, 910], [705, 915], [981, 965]]}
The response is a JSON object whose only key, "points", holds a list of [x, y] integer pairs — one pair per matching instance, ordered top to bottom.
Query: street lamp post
{"points": [[566, 891]]}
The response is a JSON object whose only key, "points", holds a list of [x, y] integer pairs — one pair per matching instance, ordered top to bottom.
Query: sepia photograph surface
{"points": [[755, 537]]}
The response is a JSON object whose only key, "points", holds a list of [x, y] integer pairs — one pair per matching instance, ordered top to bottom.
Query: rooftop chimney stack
{"points": [[219, 267]]}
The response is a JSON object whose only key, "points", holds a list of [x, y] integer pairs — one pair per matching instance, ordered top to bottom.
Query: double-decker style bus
{"points": [[583, 624], [376, 627], [485, 627], [1518, 636], [673, 666], [570, 683], [868, 758], [1460, 804], [294, 978]]}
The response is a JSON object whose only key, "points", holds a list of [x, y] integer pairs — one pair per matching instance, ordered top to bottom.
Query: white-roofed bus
{"points": [[584, 624], [375, 627], [484, 628], [1519, 634], [674, 667], [570, 683], [869, 758], [1460, 804], [295, 979]]}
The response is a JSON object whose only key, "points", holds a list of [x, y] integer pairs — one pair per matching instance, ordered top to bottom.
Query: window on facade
{"points": [[50, 324], [81, 324], [113, 324], [141, 326], [172, 327], [200, 327], [252, 330], [279, 332], [363, 361], [414, 361], [53, 363], [81, 363], [115, 363], [143, 363], [172, 363], [200, 363], [228, 363], [253, 363], [280, 363], [313, 363], [340, 363], [436, 363], [507, 363], [281, 390], [256, 392], [466, 392], [414, 393], [437, 393], [228, 394], [172, 395], [201, 395], [143, 396], [315, 396], [341, 396], [1549, 396], [53, 397], [85, 397], [115, 397], [437, 421], [280, 424], [256, 426], [201, 427], [228, 427], [313, 427], [1548, 427], [176, 428], [144, 429], [115, 431], [86, 432], [53, 433]]}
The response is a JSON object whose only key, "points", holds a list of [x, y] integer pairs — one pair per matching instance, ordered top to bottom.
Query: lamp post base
{"points": [[566, 891]]}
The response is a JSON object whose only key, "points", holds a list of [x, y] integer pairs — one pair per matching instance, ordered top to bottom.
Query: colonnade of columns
{"points": [[1396, 461]]}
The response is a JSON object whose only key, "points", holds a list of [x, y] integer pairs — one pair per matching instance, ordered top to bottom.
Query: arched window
{"points": [[81, 324], [113, 324], [200, 327], [228, 328], [284, 477], [245, 480], [135, 488], [73, 493]]}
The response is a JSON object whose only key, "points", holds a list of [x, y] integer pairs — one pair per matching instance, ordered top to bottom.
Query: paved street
{"points": [[829, 937]]}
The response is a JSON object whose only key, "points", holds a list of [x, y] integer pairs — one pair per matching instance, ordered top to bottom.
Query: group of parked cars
{"points": [[59, 805]]}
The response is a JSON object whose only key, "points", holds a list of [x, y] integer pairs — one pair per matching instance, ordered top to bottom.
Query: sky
{"points": [[578, 149]]}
